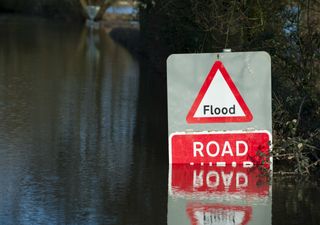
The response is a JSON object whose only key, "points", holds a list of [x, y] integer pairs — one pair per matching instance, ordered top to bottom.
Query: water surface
{"points": [[83, 137]]}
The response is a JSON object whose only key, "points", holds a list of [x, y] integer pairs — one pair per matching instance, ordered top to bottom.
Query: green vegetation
{"points": [[288, 30]]}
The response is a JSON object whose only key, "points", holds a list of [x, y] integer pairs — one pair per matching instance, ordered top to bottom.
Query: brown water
{"points": [[83, 135]]}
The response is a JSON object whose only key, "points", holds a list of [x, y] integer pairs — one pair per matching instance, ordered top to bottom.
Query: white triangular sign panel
{"points": [[219, 100]]}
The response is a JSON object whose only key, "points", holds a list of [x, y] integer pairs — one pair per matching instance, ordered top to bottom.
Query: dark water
{"points": [[83, 139]]}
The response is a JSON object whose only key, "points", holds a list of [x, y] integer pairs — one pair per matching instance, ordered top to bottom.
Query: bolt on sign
{"points": [[219, 109]]}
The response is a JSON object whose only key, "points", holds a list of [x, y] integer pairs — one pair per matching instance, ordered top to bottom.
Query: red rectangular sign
{"points": [[243, 149]]}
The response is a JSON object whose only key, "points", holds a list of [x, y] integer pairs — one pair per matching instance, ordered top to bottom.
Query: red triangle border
{"points": [[223, 119]]}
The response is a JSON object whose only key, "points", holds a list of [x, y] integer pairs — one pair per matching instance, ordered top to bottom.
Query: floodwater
{"points": [[83, 141]]}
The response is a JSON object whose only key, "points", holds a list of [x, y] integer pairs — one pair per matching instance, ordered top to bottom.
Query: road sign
{"points": [[219, 100], [219, 108]]}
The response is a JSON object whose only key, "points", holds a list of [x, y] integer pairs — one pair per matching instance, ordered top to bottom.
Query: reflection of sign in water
{"points": [[219, 100], [243, 149], [207, 181], [210, 195], [218, 214]]}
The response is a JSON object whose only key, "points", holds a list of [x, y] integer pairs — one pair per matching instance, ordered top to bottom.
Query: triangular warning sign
{"points": [[219, 100]]}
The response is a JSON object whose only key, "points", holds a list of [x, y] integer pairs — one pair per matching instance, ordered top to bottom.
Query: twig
{"points": [[229, 22], [300, 110], [313, 164], [284, 173]]}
